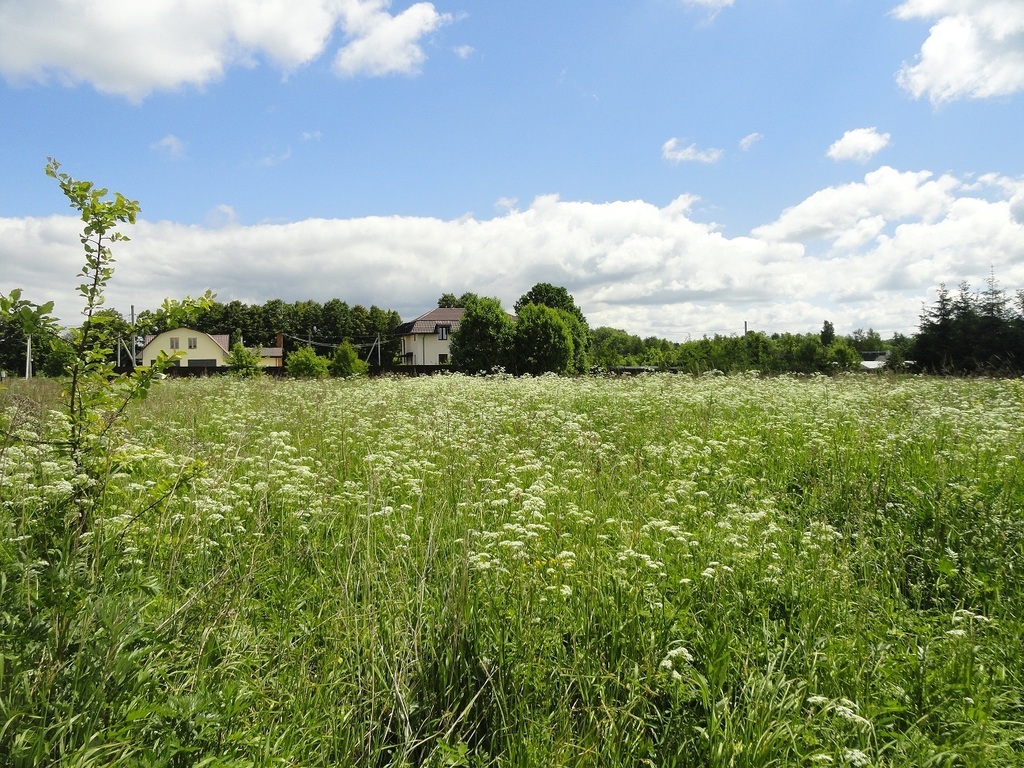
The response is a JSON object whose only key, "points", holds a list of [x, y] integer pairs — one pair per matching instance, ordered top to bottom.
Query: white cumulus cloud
{"points": [[383, 44], [132, 48], [975, 49], [860, 144], [674, 153], [887, 193]]}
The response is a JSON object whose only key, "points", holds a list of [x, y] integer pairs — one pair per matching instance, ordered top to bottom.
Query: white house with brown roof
{"points": [[426, 340]]}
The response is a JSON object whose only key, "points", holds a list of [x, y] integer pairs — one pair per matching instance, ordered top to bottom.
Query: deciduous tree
{"points": [[557, 297], [483, 339], [542, 341], [244, 362]]}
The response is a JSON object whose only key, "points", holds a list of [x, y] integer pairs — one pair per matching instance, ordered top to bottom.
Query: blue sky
{"points": [[681, 166]]}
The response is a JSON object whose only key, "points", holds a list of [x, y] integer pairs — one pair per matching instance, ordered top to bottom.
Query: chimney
{"points": [[280, 341]]}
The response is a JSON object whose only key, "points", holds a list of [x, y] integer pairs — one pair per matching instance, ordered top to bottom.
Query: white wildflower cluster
{"points": [[34, 474], [666, 534], [484, 561], [641, 562], [715, 570], [962, 615], [969, 623], [673, 661], [844, 709], [856, 758]]}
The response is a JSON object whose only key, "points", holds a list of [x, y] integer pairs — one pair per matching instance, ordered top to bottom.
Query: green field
{"points": [[452, 571]]}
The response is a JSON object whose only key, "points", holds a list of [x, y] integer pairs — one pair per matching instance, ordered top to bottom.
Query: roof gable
{"points": [[447, 317], [222, 340]]}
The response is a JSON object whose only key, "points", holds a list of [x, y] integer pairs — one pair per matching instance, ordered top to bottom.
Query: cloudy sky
{"points": [[681, 166]]}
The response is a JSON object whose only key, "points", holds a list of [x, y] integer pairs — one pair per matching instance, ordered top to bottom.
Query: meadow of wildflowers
{"points": [[456, 571]]}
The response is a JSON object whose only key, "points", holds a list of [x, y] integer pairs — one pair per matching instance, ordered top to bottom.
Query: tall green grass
{"points": [[452, 571]]}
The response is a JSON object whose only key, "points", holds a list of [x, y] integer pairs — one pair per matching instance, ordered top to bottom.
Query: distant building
{"points": [[427, 339], [197, 349], [203, 350], [273, 357], [874, 360]]}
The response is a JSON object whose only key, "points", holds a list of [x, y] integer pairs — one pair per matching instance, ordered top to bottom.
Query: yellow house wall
{"points": [[206, 348]]}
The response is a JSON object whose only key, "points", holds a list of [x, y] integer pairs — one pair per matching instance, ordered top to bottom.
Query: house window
{"points": [[442, 333], [174, 342], [193, 342], [442, 359]]}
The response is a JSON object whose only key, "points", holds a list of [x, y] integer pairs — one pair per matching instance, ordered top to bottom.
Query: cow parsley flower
{"points": [[856, 758]]}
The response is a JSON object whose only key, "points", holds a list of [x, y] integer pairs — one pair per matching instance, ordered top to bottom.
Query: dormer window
{"points": [[442, 333]]}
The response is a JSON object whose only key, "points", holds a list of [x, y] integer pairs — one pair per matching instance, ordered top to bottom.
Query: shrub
{"points": [[244, 362], [346, 362], [305, 363]]}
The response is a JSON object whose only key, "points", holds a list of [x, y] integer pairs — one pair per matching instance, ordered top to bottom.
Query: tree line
{"points": [[302, 323], [323, 327], [961, 332], [967, 332], [972, 332], [549, 333], [964, 333], [767, 353]]}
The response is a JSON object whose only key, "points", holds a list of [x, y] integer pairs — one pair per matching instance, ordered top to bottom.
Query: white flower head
{"points": [[856, 758]]}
